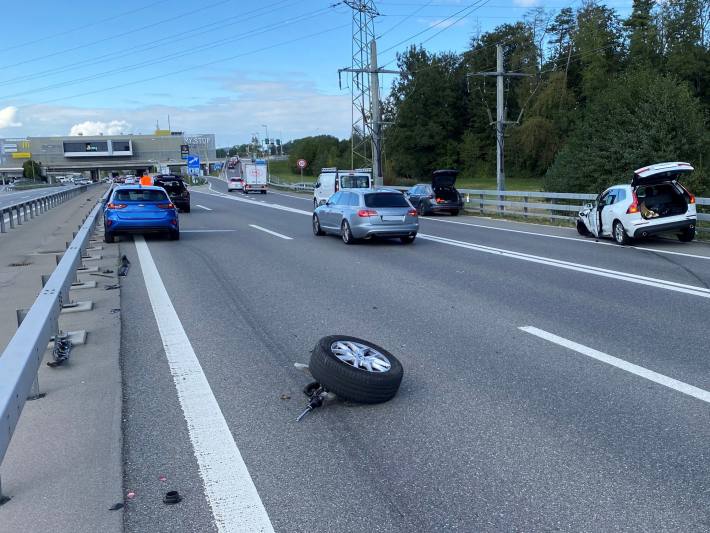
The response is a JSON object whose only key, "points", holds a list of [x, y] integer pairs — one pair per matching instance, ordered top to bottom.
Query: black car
{"points": [[176, 189], [439, 196]]}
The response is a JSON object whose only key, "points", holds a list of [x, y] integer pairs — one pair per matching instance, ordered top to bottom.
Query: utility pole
{"points": [[501, 122]]}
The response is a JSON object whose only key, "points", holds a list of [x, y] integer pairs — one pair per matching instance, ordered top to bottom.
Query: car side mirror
{"points": [[328, 203]]}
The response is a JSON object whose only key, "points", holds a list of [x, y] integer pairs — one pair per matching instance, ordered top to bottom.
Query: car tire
{"points": [[263, 192], [315, 204], [186, 209], [421, 209], [455, 212], [582, 229], [317, 230], [619, 233], [346, 234], [175, 235], [687, 235], [108, 237], [409, 239], [351, 382]]}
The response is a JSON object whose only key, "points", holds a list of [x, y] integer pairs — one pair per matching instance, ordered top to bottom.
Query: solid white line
{"points": [[291, 196], [203, 207], [206, 230], [271, 232], [562, 237], [587, 269], [637, 370], [230, 491]]}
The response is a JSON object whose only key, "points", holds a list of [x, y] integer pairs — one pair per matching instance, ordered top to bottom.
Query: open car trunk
{"points": [[447, 194], [661, 200]]}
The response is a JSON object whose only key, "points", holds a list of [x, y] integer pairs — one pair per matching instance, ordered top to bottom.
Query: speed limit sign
{"points": [[302, 163]]}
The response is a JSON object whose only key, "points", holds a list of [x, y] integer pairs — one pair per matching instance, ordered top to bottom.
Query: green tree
{"points": [[644, 41], [641, 118], [32, 169]]}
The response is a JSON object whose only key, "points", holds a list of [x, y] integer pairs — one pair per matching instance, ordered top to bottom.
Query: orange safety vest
{"points": [[146, 180]]}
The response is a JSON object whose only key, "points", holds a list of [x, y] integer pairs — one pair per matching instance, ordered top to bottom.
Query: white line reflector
{"points": [[203, 207], [279, 235], [640, 371], [230, 491]]}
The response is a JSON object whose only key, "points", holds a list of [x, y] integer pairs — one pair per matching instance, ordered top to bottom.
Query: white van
{"points": [[331, 180]]}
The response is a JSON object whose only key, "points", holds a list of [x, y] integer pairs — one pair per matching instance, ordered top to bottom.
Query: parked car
{"points": [[129, 180], [332, 180], [235, 184], [176, 189], [438, 196], [654, 202], [139, 209], [365, 213]]}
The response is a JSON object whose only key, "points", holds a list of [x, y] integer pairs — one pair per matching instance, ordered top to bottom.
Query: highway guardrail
{"points": [[23, 211], [20, 361]]}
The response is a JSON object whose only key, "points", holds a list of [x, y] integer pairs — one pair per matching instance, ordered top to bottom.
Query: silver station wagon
{"points": [[367, 213]]}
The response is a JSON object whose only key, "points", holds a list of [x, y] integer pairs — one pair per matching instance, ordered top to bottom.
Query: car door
{"points": [[327, 212], [607, 214], [594, 216]]}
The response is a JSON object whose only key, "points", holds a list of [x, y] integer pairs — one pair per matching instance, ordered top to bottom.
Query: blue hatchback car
{"points": [[140, 209]]}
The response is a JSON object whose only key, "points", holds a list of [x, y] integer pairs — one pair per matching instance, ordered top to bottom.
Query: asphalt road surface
{"points": [[15, 197], [594, 417]]}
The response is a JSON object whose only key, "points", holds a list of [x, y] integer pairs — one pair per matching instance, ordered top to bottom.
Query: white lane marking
{"points": [[291, 196], [203, 207], [206, 230], [271, 232], [576, 239], [587, 269], [637, 370], [230, 491]]}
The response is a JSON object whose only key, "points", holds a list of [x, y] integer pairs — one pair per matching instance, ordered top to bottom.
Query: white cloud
{"points": [[526, 3], [8, 117], [96, 127]]}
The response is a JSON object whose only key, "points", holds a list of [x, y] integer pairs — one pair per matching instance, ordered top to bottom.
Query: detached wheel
{"points": [[316, 227], [582, 229], [620, 235], [687, 235], [355, 369]]}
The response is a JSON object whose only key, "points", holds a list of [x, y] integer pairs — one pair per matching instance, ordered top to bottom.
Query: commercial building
{"points": [[101, 154]]}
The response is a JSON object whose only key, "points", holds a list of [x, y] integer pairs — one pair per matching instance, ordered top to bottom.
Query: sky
{"points": [[229, 67]]}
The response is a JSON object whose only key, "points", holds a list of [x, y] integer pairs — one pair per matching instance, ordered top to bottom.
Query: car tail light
{"points": [[691, 198], [440, 200], [115, 206], [166, 206], [634, 207], [412, 212], [367, 213], [109, 222], [173, 222]]}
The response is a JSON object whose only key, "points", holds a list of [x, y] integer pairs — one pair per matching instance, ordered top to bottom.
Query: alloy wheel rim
{"points": [[346, 233], [619, 233], [360, 356]]}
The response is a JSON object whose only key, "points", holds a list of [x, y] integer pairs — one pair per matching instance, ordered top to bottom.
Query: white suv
{"points": [[653, 203]]}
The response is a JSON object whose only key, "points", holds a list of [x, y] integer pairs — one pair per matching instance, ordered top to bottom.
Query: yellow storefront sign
{"points": [[21, 155]]}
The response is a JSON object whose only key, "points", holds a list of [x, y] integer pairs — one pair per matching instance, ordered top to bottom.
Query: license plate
{"points": [[386, 218]]}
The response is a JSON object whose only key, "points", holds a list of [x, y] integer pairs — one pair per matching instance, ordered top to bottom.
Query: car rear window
{"points": [[355, 182], [171, 185], [139, 195], [385, 199]]}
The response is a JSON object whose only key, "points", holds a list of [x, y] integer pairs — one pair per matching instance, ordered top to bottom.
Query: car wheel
{"points": [[263, 192], [315, 204], [186, 209], [421, 209], [455, 212], [316, 226], [582, 229], [346, 234], [175, 235], [620, 235], [687, 235], [108, 237], [409, 239], [355, 369]]}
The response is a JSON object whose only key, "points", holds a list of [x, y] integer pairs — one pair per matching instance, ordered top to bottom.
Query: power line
{"points": [[77, 28], [110, 38], [144, 46], [162, 59], [192, 68]]}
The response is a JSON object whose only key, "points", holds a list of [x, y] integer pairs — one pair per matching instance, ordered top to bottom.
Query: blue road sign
{"points": [[193, 161]]}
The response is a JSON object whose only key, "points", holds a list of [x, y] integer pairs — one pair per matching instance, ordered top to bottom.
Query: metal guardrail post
{"points": [[481, 195], [525, 208], [552, 212], [19, 216], [3, 229]]}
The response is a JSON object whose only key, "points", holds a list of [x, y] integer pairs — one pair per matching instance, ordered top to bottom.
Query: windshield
{"points": [[360, 181], [172, 186], [140, 195], [386, 199]]}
